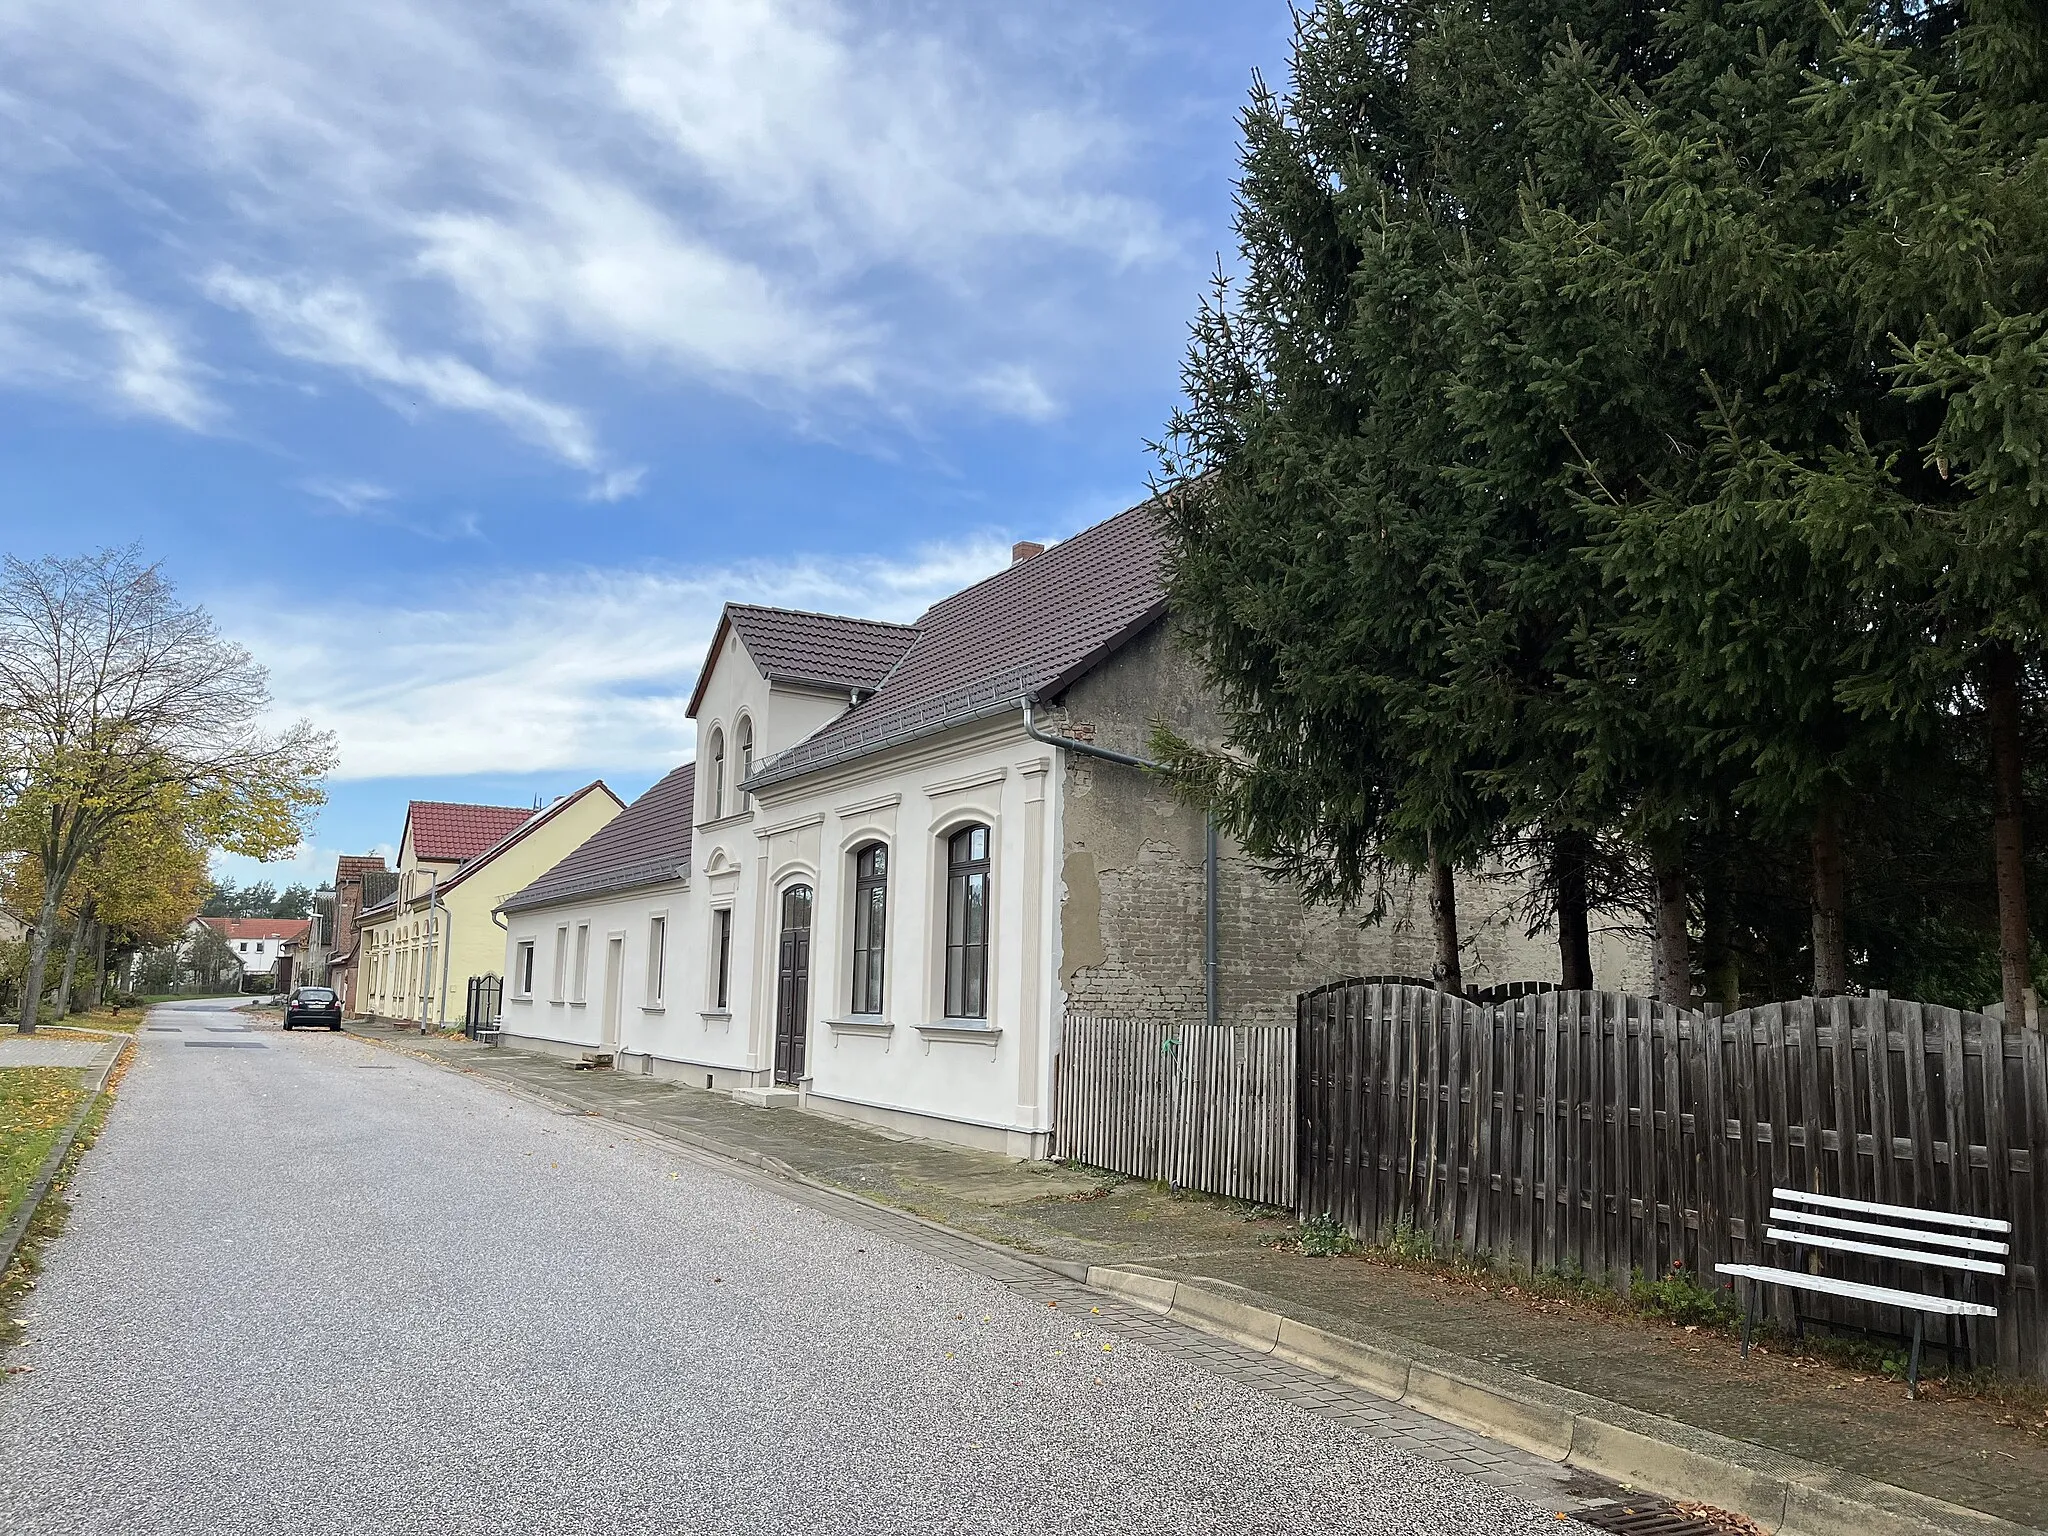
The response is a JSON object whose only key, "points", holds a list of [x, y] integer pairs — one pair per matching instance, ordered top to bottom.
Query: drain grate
{"points": [[163, 1029], [231, 1045], [1652, 1517]]}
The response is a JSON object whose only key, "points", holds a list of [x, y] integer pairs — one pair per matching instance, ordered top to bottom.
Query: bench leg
{"points": [[1748, 1314], [1913, 1364]]}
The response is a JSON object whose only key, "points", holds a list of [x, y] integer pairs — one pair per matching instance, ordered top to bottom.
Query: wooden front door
{"points": [[793, 985], [614, 986]]}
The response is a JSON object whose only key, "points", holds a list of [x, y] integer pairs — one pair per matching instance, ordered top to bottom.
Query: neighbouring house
{"points": [[906, 863], [361, 880], [438, 926], [261, 943]]}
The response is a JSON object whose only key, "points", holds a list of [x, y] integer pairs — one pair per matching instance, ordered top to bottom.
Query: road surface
{"points": [[312, 1285]]}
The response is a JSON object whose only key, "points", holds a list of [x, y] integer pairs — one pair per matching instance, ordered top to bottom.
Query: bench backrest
{"points": [[1974, 1244]]}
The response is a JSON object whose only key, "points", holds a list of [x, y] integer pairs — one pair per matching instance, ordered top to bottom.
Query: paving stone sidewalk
{"points": [[39, 1051], [1959, 1450]]}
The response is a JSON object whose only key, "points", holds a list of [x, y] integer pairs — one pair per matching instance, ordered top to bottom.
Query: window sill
{"points": [[519, 1000], [579, 1002], [654, 1008], [715, 1015], [871, 1027], [961, 1032]]}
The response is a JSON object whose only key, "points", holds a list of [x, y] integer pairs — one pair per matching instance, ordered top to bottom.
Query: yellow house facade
{"points": [[456, 863]]}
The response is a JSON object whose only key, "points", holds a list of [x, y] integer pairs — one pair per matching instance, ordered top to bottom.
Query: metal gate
{"points": [[486, 998]]}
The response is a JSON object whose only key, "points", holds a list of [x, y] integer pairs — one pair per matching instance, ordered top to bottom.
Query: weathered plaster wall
{"points": [[1131, 907]]}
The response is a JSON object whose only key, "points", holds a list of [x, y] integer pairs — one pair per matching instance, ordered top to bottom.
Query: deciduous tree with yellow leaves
{"points": [[119, 704]]}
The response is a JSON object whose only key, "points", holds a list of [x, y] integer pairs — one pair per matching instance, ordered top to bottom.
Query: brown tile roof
{"points": [[1029, 631], [826, 649], [443, 831], [644, 844], [348, 866], [284, 929]]}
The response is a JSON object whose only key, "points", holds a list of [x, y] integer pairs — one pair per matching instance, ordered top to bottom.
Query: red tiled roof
{"points": [[1031, 630], [826, 649], [532, 824], [445, 832], [642, 845], [350, 865], [284, 929]]}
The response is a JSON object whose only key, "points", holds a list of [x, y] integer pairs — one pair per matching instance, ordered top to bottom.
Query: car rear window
{"points": [[315, 995]]}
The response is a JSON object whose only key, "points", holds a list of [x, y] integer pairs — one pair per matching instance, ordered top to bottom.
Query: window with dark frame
{"points": [[745, 745], [716, 800], [967, 924], [870, 926], [657, 958], [526, 969], [722, 969]]}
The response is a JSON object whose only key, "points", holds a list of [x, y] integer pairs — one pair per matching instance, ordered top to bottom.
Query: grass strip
{"points": [[36, 1103]]}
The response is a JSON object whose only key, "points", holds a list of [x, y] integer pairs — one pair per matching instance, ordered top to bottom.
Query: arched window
{"points": [[745, 745], [714, 795], [967, 924], [870, 926]]}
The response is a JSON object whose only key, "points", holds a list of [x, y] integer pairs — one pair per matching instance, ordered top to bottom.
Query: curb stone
{"points": [[17, 1229], [1780, 1492]]}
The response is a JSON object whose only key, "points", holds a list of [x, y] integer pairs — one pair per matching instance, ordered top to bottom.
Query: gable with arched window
{"points": [[967, 891]]}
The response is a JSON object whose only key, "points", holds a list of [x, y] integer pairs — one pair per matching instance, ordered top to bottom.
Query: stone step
{"points": [[766, 1098]]}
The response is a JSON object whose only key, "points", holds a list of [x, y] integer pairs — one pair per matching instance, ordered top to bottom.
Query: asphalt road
{"points": [[315, 1286]]}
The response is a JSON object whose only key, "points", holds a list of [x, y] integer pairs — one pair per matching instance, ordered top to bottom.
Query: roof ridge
{"points": [[1053, 547], [819, 613]]}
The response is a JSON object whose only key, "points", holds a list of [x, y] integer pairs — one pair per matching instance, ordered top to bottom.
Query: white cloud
{"points": [[820, 204], [64, 321], [336, 326], [356, 497], [591, 669]]}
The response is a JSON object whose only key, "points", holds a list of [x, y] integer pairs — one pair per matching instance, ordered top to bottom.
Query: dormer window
{"points": [[715, 791]]}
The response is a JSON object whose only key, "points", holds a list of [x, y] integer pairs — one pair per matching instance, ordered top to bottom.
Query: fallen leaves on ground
{"points": [[35, 1105]]}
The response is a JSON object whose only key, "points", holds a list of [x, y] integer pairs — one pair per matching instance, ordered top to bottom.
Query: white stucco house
{"points": [[905, 853], [259, 943]]}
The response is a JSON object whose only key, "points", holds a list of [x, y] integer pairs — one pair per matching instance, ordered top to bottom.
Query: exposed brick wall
{"points": [[1131, 909]]}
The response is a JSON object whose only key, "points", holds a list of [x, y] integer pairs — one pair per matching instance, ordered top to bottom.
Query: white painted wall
{"points": [[983, 1082]]}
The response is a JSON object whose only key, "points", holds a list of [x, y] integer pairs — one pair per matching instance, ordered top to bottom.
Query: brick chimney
{"points": [[1023, 550]]}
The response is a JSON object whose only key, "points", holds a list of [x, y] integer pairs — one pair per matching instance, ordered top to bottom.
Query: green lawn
{"points": [[36, 1103]]}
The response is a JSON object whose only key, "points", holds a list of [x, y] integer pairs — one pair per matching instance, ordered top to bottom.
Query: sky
{"points": [[464, 358]]}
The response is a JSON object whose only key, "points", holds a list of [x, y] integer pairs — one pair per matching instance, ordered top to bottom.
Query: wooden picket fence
{"points": [[1208, 1107], [1618, 1136]]}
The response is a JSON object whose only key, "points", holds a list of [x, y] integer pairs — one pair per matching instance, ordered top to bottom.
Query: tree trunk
{"points": [[2008, 831], [1830, 903], [1443, 911], [1574, 932], [1717, 938], [71, 948], [39, 955], [1673, 956], [99, 970]]}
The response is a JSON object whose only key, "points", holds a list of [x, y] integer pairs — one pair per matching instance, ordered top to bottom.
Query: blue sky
{"points": [[464, 358]]}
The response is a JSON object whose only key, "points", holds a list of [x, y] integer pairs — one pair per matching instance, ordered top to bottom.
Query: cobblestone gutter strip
{"points": [[17, 1229], [1780, 1492]]}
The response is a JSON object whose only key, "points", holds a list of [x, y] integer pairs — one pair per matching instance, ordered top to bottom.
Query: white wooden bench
{"points": [[1959, 1245]]}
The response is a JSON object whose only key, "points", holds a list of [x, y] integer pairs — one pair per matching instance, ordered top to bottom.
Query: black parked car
{"points": [[312, 1005]]}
